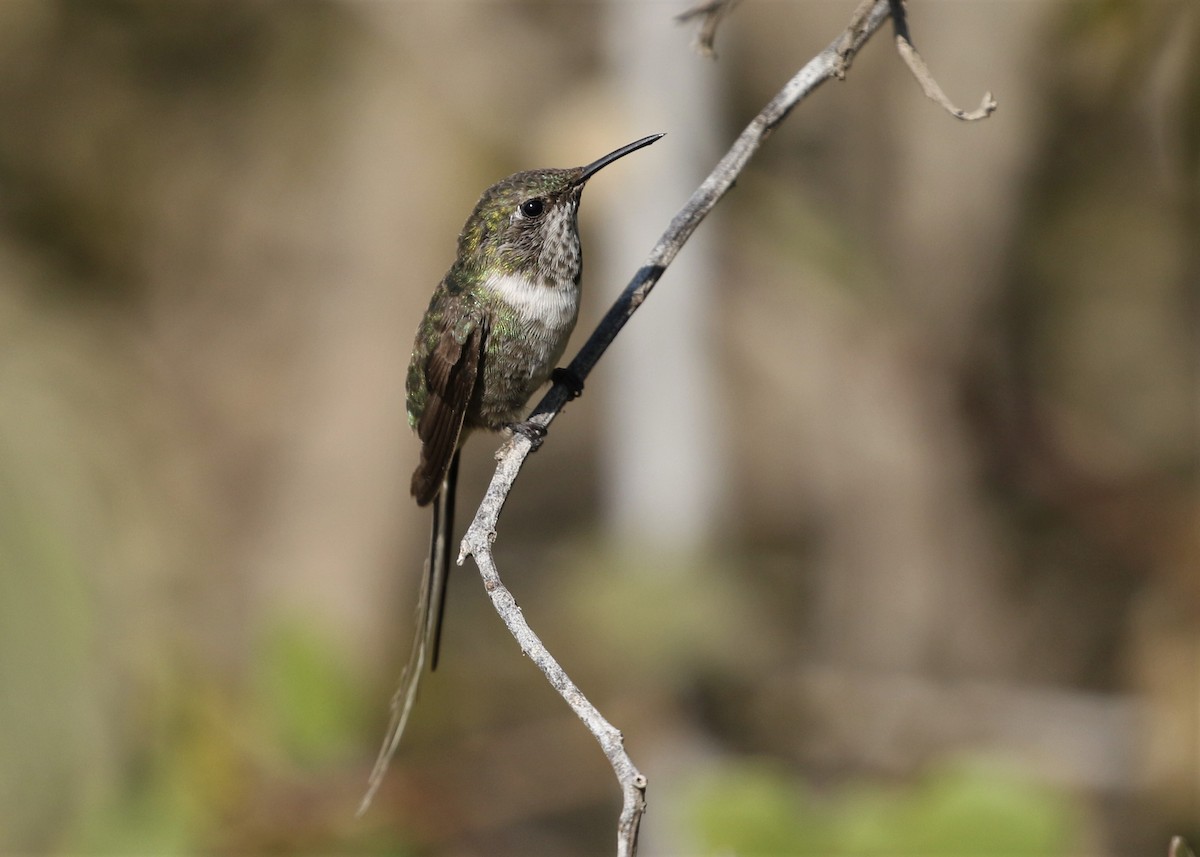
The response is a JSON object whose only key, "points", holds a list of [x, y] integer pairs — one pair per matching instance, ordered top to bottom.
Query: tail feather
{"points": [[439, 560], [427, 640], [402, 701]]}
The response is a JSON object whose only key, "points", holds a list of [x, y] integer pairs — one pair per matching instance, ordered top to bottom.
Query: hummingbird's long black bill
{"points": [[599, 164]]}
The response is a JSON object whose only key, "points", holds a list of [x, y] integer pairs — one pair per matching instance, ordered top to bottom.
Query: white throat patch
{"points": [[554, 306]]}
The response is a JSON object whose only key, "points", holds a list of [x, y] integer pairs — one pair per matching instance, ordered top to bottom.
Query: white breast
{"points": [[554, 306]]}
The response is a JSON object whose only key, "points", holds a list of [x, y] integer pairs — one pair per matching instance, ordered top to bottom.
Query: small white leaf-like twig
{"points": [[924, 76]]}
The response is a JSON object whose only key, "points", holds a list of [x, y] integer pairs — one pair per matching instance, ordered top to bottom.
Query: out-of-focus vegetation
{"points": [[949, 600], [752, 808]]}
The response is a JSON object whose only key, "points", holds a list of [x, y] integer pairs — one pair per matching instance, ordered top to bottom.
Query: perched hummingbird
{"points": [[496, 326], [494, 331]]}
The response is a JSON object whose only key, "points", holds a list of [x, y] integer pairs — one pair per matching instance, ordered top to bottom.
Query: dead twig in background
{"points": [[711, 15]]}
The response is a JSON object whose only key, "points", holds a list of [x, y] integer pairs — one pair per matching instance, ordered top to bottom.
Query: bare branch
{"points": [[711, 13], [921, 72], [477, 542]]}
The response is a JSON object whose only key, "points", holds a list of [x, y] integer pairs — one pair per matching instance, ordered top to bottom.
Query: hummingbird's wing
{"points": [[450, 370]]}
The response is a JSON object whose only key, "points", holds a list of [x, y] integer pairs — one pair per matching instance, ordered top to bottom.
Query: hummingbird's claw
{"points": [[570, 380], [536, 433]]}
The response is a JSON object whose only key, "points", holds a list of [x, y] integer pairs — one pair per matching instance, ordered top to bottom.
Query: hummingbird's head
{"points": [[527, 223]]}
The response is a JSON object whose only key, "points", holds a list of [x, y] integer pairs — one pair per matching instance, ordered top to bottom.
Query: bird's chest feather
{"points": [[542, 310], [528, 330]]}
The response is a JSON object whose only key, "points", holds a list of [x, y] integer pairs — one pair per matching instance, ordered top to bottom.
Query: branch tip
{"points": [[929, 85]]}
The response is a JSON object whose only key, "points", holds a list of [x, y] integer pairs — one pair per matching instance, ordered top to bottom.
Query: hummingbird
{"points": [[495, 329], [492, 335]]}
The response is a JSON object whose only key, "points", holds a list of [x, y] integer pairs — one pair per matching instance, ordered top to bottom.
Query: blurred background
{"points": [[876, 531]]}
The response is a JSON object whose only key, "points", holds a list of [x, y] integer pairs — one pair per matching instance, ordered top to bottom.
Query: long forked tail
{"points": [[439, 560], [431, 610]]}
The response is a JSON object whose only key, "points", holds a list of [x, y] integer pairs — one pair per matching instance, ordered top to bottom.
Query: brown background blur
{"points": [[912, 564]]}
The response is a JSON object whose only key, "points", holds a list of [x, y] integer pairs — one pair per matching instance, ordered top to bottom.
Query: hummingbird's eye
{"points": [[532, 207]]}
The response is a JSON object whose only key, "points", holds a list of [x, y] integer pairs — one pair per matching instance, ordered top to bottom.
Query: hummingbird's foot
{"points": [[566, 377], [536, 433]]}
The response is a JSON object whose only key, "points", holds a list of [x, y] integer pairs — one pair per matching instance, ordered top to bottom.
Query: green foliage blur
{"points": [[753, 808]]}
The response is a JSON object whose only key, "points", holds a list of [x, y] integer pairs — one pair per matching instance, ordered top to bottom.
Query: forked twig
{"points": [[713, 12]]}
